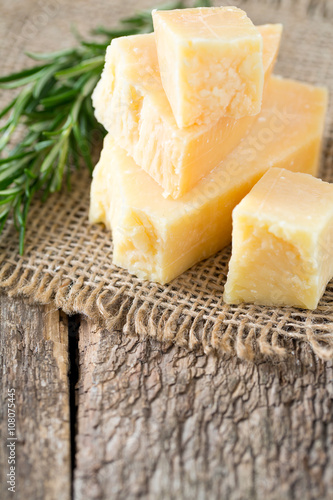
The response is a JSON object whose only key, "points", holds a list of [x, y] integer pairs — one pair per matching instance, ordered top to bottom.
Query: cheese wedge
{"points": [[211, 64], [130, 102], [157, 238], [282, 242]]}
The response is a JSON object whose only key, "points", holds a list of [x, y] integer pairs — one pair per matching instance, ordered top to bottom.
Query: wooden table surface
{"points": [[103, 416]]}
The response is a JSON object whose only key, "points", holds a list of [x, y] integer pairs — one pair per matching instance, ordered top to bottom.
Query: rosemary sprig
{"points": [[54, 106]]}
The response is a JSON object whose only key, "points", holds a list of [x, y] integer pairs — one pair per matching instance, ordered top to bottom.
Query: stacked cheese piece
{"points": [[194, 120]]}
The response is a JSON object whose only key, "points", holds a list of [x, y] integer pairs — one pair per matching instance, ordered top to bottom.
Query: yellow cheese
{"points": [[210, 62], [131, 104], [157, 238], [282, 242]]}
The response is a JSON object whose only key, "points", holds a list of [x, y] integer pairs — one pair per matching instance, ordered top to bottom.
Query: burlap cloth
{"points": [[70, 263]]}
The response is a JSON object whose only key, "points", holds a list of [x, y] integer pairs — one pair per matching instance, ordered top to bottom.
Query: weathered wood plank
{"points": [[34, 362], [162, 423]]}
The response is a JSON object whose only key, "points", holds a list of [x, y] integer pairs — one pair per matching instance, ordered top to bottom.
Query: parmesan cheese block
{"points": [[210, 62], [130, 102], [157, 238], [282, 242]]}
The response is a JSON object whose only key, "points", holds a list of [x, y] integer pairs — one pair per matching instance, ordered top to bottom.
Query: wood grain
{"points": [[34, 361], [158, 422]]}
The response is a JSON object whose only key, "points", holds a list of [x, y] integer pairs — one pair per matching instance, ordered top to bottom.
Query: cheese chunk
{"points": [[211, 63], [130, 102], [157, 238], [282, 242]]}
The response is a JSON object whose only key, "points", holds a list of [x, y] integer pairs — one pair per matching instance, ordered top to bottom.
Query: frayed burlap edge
{"points": [[136, 317]]}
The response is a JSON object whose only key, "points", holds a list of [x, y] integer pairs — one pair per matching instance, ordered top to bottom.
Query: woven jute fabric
{"points": [[70, 263]]}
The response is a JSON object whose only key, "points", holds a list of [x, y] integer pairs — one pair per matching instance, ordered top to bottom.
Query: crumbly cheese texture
{"points": [[211, 63], [130, 102], [157, 238], [282, 242]]}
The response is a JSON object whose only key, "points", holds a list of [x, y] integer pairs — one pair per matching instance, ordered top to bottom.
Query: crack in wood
{"points": [[73, 377]]}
